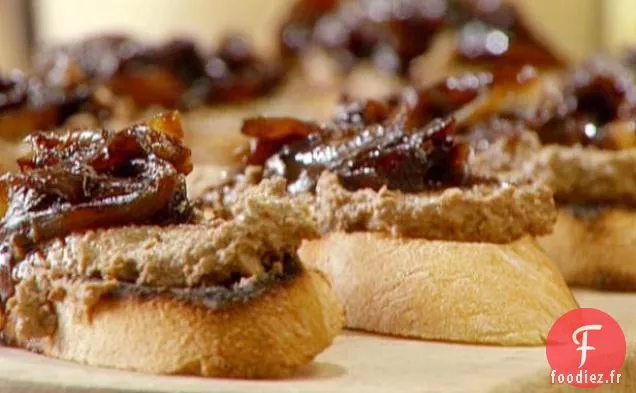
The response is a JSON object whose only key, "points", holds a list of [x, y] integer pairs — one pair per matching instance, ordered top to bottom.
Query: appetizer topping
{"points": [[389, 33], [392, 33], [95, 59], [174, 74], [235, 74], [85, 78], [19, 91], [35, 102], [593, 105], [598, 108], [575, 132], [270, 135], [404, 143], [373, 156], [389, 166], [84, 179], [486, 212], [491, 213], [263, 227], [224, 261]]}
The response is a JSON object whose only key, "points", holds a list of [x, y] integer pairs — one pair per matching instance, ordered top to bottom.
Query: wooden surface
{"points": [[355, 363]]}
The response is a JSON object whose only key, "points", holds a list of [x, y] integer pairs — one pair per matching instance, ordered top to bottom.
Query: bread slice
{"points": [[595, 247], [508, 294], [224, 298], [270, 336]]}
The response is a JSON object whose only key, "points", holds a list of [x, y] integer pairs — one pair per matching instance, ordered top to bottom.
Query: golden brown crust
{"points": [[595, 247], [466, 292], [268, 337]]}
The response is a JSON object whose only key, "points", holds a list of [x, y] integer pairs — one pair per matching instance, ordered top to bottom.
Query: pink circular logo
{"points": [[586, 348]]}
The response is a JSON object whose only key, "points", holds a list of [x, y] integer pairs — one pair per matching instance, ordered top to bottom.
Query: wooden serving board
{"points": [[355, 363]]}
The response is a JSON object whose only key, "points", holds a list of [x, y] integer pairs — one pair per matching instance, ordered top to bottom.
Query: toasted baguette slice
{"points": [[595, 248], [507, 294], [270, 336]]}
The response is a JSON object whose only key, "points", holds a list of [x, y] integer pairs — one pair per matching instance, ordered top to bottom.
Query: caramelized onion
{"points": [[392, 33], [174, 74], [234, 74], [72, 79], [27, 103], [591, 105], [271, 134], [404, 143], [83, 179]]}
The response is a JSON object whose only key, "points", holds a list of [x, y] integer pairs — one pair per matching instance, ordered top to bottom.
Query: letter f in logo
{"points": [[583, 344]]}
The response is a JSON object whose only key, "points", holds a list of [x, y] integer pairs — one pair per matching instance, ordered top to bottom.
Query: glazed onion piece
{"points": [[233, 73], [150, 75], [271, 134], [373, 156], [425, 159], [84, 179]]}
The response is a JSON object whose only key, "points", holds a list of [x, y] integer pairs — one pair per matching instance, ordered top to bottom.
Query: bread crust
{"points": [[595, 249], [508, 294], [268, 337]]}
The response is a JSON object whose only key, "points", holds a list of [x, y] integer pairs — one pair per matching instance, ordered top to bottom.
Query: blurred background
{"points": [[576, 27]]}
